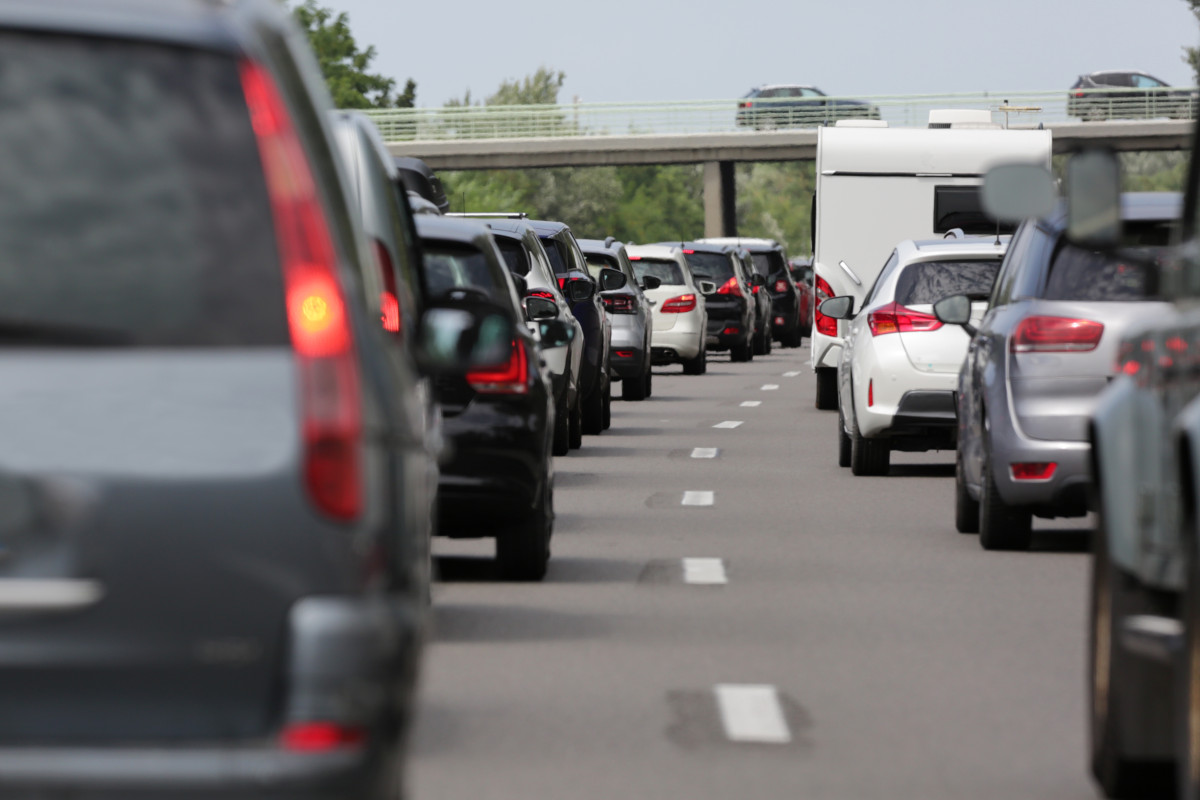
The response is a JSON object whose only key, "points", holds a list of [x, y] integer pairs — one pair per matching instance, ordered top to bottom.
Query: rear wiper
{"points": [[24, 332]]}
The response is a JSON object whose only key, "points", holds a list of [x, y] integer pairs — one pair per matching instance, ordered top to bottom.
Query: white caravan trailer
{"points": [[878, 186]]}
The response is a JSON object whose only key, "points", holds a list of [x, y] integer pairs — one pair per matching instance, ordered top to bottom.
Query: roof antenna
{"points": [[997, 233]]}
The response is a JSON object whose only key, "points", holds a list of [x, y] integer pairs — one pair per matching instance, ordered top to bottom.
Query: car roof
{"points": [[206, 23], [1118, 72], [784, 86], [548, 227], [513, 228], [466, 231], [751, 244], [610, 245], [707, 247], [930, 249], [663, 251]]}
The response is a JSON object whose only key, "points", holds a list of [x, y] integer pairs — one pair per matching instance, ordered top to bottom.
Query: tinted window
{"points": [[133, 204], [960, 207], [1018, 248], [554, 251], [514, 255], [595, 263], [766, 263], [453, 266], [710, 266], [666, 271], [1077, 274], [926, 282]]}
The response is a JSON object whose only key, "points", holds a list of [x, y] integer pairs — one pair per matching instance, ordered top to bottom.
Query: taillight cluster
{"points": [[781, 286], [731, 287], [541, 293], [389, 300], [619, 304], [679, 305], [895, 318], [826, 326], [320, 330], [1039, 334], [511, 377]]}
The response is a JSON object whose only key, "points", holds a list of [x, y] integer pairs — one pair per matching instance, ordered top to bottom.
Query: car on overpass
{"points": [[1128, 94], [791, 105]]}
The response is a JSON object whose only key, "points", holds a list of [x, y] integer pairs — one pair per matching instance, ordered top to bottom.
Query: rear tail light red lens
{"points": [[562, 282], [781, 286], [731, 287], [754, 289], [541, 293], [389, 302], [619, 304], [679, 305], [316, 309], [895, 318], [825, 325], [731, 330], [1056, 335], [623, 353], [509, 378], [871, 392], [1033, 470], [317, 737]]}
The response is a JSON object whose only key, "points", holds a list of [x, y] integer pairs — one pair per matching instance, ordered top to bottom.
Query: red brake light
{"points": [[689, 252], [635, 258], [562, 282], [781, 286], [731, 287], [754, 289], [541, 293], [389, 300], [619, 304], [679, 305], [316, 311], [895, 318], [826, 326], [1056, 335], [509, 378], [871, 392], [1033, 470], [313, 737]]}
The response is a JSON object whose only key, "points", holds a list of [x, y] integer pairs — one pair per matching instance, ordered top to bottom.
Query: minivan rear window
{"points": [[134, 210], [710, 266], [666, 271], [926, 282]]}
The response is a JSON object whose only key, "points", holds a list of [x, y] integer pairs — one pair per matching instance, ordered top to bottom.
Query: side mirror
{"points": [[1013, 192], [1094, 199], [611, 279], [759, 280], [651, 282], [521, 284], [706, 287], [578, 290], [838, 307], [540, 308], [955, 310], [555, 333], [452, 339]]}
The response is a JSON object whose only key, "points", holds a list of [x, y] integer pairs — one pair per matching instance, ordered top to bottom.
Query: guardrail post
{"points": [[720, 199]]}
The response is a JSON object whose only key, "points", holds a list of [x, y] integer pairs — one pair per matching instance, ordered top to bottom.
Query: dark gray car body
{"points": [[630, 342]]}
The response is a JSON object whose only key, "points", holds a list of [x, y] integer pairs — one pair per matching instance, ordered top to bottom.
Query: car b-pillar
{"points": [[720, 199]]}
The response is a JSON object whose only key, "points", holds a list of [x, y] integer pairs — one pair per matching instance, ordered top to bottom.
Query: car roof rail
{"points": [[491, 214], [955, 233], [608, 241]]}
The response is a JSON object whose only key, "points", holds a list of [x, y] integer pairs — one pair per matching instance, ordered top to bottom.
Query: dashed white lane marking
{"points": [[791, 374], [770, 387], [751, 403], [729, 423], [705, 452], [698, 498], [704, 571], [752, 713]]}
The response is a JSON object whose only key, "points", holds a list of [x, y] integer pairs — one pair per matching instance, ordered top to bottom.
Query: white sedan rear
{"points": [[680, 318]]}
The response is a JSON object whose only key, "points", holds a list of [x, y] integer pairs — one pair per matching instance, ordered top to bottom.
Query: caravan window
{"points": [[960, 207]]}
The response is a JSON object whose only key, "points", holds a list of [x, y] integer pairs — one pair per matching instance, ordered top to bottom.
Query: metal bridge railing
{"points": [[1012, 109]]}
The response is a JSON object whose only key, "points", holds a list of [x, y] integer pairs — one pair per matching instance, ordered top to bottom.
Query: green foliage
{"points": [[1191, 55], [344, 65], [540, 88], [775, 202]]}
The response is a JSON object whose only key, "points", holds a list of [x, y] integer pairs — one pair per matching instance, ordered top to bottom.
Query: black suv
{"points": [[1127, 94], [785, 106], [770, 261], [731, 309]]}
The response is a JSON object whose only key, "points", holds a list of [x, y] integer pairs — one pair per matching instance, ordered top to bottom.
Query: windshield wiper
{"points": [[25, 332]]}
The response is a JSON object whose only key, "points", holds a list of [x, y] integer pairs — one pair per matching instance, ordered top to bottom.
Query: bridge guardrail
{"points": [[1011, 109]]}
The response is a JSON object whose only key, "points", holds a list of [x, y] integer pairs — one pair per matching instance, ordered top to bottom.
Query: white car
{"points": [[680, 318], [899, 364]]}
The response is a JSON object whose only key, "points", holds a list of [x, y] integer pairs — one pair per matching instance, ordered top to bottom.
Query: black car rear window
{"points": [[134, 210], [555, 253], [514, 254], [768, 263], [451, 265], [716, 267], [666, 271], [1078, 274], [926, 282]]}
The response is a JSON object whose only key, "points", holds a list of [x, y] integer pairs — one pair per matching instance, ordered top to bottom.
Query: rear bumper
{"points": [[680, 343], [627, 353], [925, 419], [1065, 494]]}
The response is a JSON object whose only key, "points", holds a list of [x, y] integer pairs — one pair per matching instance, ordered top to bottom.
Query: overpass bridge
{"points": [[709, 133]]}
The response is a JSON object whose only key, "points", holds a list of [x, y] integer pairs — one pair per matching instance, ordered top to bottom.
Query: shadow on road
{"points": [[922, 471], [1062, 540], [481, 569], [457, 622]]}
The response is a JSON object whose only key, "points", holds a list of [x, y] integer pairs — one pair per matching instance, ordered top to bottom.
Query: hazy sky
{"points": [[654, 50]]}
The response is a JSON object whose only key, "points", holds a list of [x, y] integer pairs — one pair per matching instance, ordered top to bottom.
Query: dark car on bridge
{"points": [[1128, 94], [790, 105], [732, 314]]}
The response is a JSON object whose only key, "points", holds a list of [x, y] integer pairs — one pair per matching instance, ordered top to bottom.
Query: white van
{"points": [[879, 186]]}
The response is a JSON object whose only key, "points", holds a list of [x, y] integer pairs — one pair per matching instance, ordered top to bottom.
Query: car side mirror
{"points": [[1013, 192], [1094, 199], [611, 279], [758, 280], [650, 282], [706, 287], [578, 290], [837, 307], [540, 308], [954, 310], [555, 333], [454, 338]]}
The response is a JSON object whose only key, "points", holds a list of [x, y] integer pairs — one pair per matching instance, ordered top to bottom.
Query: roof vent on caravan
{"points": [[962, 118], [860, 123]]}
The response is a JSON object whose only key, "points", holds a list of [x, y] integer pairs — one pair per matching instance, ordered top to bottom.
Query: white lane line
{"points": [[791, 374], [770, 387], [751, 403], [729, 423], [705, 452], [698, 498], [704, 571], [752, 713]]}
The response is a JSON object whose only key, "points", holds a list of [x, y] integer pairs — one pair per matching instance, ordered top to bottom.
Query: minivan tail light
{"points": [[781, 286], [731, 287], [389, 299], [619, 304], [679, 305], [895, 318], [318, 323], [826, 326], [1039, 334], [511, 377], [1033, 470], [317, 737]]}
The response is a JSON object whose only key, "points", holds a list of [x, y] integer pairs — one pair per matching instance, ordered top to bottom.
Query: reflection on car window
{"points": [[554, 253], [514, 256], [596, 263], [451, 266], [710, 266], [889, 267], [666, 271], [1078, 274], [926, 282]]}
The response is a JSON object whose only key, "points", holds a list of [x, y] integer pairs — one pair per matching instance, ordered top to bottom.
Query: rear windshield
{"points": [[134, 210], [514, 255], [595, 263], [767, 263], [450, 265], [716, 267], [666, 271], [1077, 274], [926, 282]]}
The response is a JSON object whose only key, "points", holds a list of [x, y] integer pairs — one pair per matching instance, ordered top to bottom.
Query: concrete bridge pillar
{"points": [[720, 199]]}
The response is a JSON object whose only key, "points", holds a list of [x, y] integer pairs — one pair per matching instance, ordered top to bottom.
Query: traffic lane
{"points": [[912, 663]]}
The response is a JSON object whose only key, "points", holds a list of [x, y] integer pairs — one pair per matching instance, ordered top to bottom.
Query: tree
{"points": [[1191, 55], [345, 66]]}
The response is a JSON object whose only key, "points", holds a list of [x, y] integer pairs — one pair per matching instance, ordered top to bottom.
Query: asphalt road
{"points": [[860, 648]]}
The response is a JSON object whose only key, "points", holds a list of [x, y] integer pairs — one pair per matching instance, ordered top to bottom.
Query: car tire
{"points": [[796, 338], [762, 342], [741, 352], [697, 365], [649, 381], [636, 388], [827, 389], [606, 398], [593, 411], [576, 423], [562, 428], [843, 441], [869, 456], [966, 508], [1001, 526], [523, 549], [1110, 667], [1187, 726]]}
